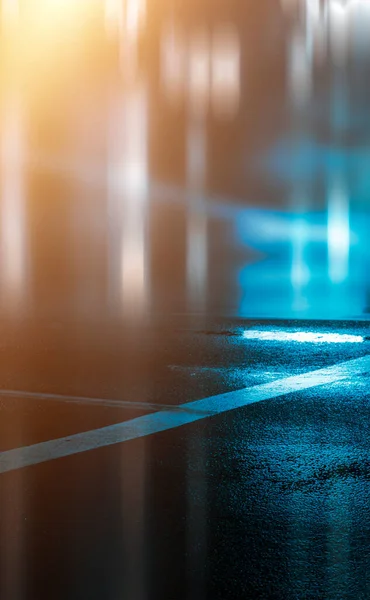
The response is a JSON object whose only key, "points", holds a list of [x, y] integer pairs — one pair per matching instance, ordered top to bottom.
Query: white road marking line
{"points": [[164, 420]]}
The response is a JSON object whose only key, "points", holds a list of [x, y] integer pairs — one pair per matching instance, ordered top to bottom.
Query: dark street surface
{"points": [[184, 301], [266, 501]]}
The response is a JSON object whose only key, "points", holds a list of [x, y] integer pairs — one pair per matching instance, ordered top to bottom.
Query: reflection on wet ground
{"points": [[172, 175], [224, 185]]}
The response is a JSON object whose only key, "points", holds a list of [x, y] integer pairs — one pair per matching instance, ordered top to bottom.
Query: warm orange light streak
{"points": [[12, 243]]}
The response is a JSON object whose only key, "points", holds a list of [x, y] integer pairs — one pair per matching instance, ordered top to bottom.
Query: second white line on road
{"points": [[167, 419]]}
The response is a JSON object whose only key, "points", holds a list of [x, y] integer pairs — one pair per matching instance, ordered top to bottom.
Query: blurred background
{"points": [[202, 157]]}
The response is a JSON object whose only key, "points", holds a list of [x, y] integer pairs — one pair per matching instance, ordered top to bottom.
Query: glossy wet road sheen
{"points": [[184, 300], [232, 496]]}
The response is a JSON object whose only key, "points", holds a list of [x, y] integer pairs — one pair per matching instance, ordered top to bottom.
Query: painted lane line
{"points": [[164, 420]]}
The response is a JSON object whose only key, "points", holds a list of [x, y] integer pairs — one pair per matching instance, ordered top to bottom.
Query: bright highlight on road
{"points": [[303, 336]]}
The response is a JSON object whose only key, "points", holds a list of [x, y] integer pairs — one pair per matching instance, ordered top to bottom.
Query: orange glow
{"points": [[125, 16], [51, 21], [226, 71], [199, 72], [12, 240]]}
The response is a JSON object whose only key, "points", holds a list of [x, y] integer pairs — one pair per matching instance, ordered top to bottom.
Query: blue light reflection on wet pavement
{"points": [[307, 272]]}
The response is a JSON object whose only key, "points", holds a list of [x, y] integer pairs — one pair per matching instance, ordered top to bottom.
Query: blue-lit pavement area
{"points": [[304, 258], [218, 462]]}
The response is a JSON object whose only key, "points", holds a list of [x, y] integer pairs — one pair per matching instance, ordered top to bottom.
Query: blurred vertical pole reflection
{"points": [[126, 18], [339, 32], [306, 47], [173, 62], [299, 70], [226, 72], [300, 87], [199, 90], [196, 152], [128, 162], [135, 176], [128, 182], [128, 190], [338, 201], [128, 206], [13, 228], [197, 228], [338, 230], [12, 279], [12, 284]]}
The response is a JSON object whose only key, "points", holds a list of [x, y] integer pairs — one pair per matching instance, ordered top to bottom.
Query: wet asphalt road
{"points": [[117, 248], [266, 501]]}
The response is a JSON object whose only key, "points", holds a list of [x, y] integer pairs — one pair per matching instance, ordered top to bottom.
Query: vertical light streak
{"points": [[135, 14], [114, 16], [126, 19], [173, 63], [299, 71], [226, 72], [199, 75], [135, 178], [128, 188], [197, 226], [338, 231], [13, 234], [300, 273], [13, 295]]}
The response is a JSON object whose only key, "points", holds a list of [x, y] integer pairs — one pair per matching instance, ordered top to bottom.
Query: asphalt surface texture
{"points": [[269, 500]]}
